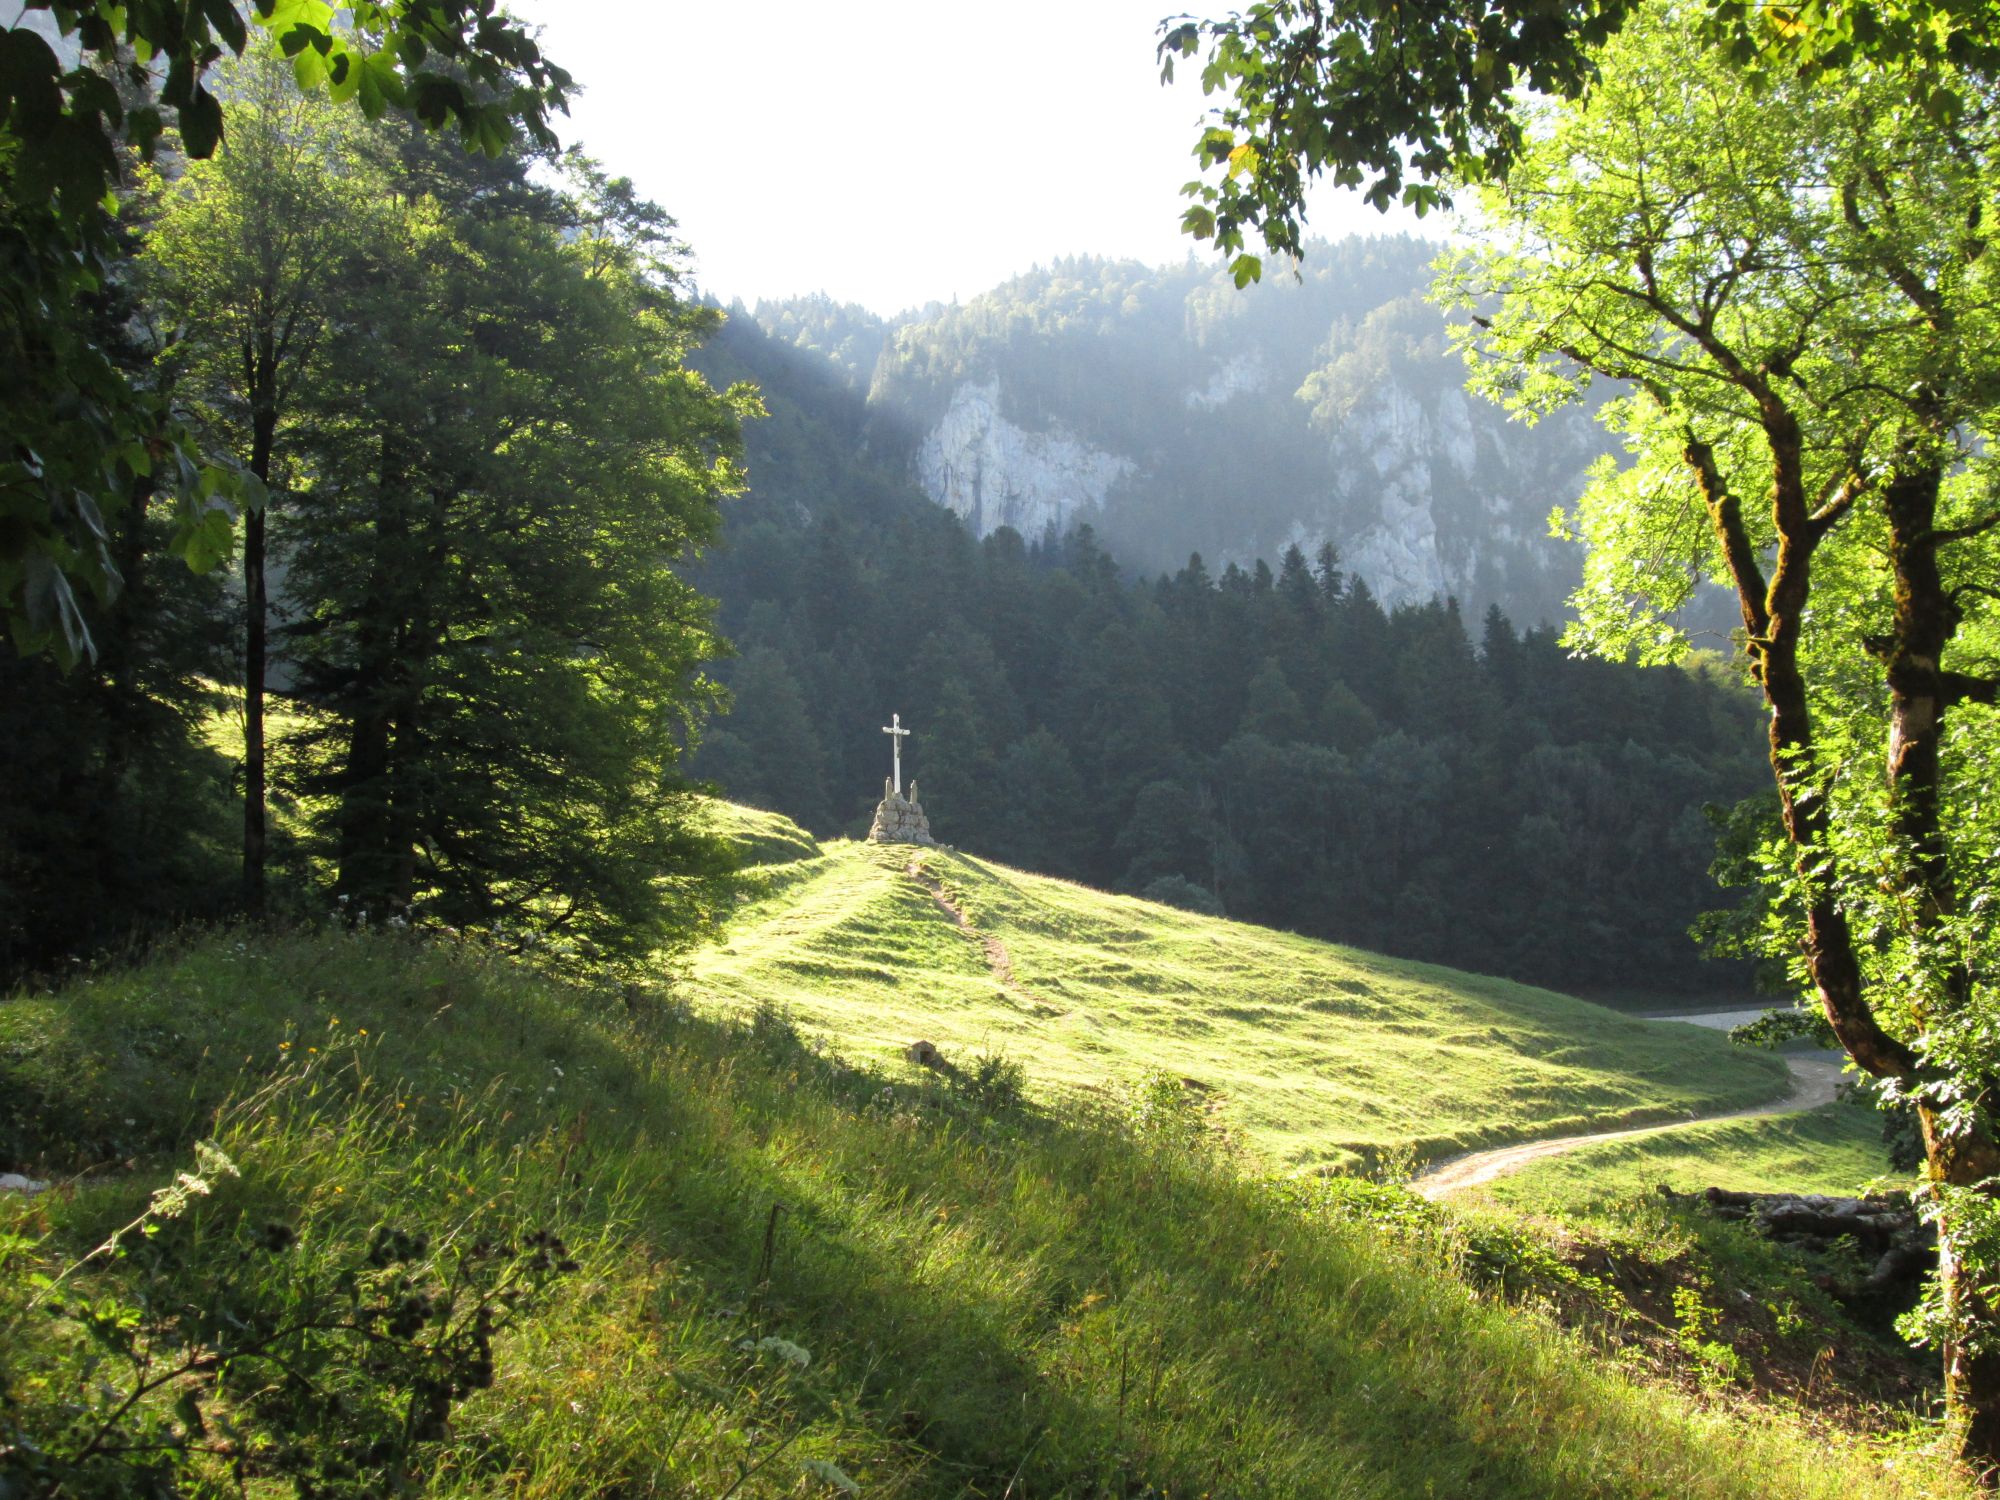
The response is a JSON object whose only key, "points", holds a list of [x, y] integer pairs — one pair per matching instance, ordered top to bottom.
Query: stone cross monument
{"points": [[895, 728], [899, 819]]}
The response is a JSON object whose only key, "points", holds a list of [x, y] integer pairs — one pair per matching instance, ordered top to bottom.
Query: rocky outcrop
{"points": [[1239, 376], [1175, 414], [994, 473], [1422, 491], [900, 819]]}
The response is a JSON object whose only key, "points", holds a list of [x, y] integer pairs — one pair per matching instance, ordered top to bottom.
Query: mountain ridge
{"points": [[1176, 415]]}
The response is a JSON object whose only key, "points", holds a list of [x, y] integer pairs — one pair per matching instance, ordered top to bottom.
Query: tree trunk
{"points": [[262, 385], [1924, 623], [253, 713], [1971, 1372]]}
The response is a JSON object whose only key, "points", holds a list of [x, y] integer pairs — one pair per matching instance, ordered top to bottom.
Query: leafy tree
{"points": [[1404, 99], [245, 256], [1794, 282], [79, 433], [498, 657]]}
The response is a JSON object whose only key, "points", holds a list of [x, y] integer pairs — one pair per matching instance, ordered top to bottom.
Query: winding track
{"points": [[1814, 1082]]}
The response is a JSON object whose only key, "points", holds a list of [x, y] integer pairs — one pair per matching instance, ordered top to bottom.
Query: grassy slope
{"points": [[1323, 1053], [1837, 1148], [1020, 1305]]}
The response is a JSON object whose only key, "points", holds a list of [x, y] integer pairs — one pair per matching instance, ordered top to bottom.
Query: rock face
{"points": [[1175, 414], [993, 473], [900, 819]]}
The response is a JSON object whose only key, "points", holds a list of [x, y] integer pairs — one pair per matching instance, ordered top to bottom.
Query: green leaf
{"points": [[380, 84], [201, 124], [1198, 222]]}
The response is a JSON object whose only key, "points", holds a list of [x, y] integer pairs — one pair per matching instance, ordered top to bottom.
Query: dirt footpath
{"points": [[1814, 1082]]}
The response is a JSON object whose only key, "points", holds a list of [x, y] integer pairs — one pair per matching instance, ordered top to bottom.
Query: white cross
{"points": [[895, 729]]}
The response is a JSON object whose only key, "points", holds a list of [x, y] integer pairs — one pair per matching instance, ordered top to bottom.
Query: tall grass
{"points": [[794, 1275]]}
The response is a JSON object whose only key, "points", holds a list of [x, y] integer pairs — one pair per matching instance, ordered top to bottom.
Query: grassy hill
{"points": [[1321, 1055], [483, 1232]]}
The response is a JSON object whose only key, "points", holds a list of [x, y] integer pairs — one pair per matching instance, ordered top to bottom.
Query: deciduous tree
{"points": [[1791, 279], [77, 433]]}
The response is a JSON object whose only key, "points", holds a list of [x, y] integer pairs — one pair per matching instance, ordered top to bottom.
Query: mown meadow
{"points": [[1326, 1056]]}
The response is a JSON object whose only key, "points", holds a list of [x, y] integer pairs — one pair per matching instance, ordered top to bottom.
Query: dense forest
{"points": [[448, 390], [1269, 743]]}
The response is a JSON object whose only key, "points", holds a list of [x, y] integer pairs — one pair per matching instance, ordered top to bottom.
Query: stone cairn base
{"points": [[900, 819]]}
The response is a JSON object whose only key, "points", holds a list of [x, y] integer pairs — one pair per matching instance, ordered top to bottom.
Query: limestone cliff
{"points": [[1176, 415], [995, 473]]}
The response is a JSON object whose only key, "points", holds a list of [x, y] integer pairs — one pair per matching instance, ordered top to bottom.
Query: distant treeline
{"points": [[1271, 745]]}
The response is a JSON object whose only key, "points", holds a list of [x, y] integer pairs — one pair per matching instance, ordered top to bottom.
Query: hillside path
{"points": [[999, 962], [1815, 1081]]}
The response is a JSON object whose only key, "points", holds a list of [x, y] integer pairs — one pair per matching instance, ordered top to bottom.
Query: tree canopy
{"points": [[1405, 100], [1789, 277], [80, 432]]}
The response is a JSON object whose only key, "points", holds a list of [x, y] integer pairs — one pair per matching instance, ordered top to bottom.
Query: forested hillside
{"points": [[1175, 413], [1271, 743]]}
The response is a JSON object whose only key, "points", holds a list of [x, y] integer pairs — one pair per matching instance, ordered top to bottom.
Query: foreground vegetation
{"points": [[1325, 1055], [717, 1260]]}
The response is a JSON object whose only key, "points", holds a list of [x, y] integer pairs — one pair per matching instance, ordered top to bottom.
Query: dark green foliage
{"points": [[78, 431], [492, 663], [1272, 739], [767, 749], [115, 818], [1175, 890], [230, 1342]]}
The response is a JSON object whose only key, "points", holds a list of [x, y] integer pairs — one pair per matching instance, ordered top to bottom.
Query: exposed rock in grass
{"points": [[1885, 1225]]}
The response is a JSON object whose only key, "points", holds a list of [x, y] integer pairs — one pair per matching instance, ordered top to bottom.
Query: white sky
{"points": [[889, 152]]}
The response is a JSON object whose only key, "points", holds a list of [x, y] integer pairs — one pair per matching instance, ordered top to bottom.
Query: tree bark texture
{"points": [[1924, 621]]}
